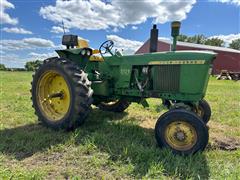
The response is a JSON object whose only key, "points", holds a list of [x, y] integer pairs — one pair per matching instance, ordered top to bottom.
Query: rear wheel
{"points": [[61, 94], [114, 106], [181, 131]]}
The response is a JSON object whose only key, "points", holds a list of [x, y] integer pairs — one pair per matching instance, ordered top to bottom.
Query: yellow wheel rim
{"points": [[53, 95], [181, 135]]}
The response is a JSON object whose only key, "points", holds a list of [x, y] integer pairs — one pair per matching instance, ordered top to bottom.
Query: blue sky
{"points": [[31, 29]]}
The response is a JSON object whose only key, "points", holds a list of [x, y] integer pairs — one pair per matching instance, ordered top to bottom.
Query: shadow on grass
{"points": [[112, 133], [24, 141]]}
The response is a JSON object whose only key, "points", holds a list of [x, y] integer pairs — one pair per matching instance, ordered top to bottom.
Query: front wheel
{"points": [[181, 131]]}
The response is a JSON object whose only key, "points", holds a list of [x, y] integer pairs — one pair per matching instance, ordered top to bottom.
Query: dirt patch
{"points": [[223, 128], [221, 136], [225, 143], [40, 159]]}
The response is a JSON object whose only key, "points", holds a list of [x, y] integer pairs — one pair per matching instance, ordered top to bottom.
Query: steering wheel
{"points": [[106, 47]]}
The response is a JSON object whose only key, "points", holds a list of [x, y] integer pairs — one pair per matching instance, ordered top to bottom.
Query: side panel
{"points": [[193, 78]]}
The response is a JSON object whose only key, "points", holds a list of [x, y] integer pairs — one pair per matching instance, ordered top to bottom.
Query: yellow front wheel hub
{"points": [[53, 95], [181, 135]]}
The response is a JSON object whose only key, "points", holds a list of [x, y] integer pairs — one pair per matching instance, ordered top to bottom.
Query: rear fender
{"points": [[75, 56]]}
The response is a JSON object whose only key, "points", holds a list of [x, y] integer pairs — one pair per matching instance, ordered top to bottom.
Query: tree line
{"points": [[201, 39], [29, 66]]}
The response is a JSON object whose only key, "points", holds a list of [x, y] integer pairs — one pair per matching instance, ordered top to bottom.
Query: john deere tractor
{"points": [[65, 87]]}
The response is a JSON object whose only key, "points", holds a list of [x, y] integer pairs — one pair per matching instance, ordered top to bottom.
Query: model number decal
{"points": [[177, 62]]}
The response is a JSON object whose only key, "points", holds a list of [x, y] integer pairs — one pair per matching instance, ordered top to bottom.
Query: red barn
{"points": [[227, 59]]}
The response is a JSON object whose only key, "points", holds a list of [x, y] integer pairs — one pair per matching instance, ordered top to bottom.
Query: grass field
{"points": [[109, 145]]}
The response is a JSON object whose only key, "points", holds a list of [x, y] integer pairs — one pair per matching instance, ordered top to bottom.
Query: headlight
{"points": [[83, 52]]}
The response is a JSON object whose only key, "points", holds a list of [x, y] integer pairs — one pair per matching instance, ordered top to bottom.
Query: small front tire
{"points": [[181, 131]]}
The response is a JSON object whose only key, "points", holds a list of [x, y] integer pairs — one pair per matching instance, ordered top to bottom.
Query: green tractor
{"points": [[65, 87]]}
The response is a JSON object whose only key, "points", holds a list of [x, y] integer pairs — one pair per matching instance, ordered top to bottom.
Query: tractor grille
{"points": [[166, 78]]}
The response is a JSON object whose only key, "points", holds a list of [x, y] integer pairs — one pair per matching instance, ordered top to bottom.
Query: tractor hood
{"points": [[176, 57]]}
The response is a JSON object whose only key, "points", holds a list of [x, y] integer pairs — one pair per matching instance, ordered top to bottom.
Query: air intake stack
{"points": [[175, 33], [154, 39]]}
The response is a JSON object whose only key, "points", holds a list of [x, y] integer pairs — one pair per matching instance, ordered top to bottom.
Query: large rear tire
{"points": [[61, 94], [114, 106], [181, 131]]}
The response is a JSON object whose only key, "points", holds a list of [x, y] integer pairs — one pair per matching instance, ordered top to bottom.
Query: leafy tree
{"points": [[182, 38], [198, 39], [201, 39], [214, 42], [235, 44], [32, 65], [3, 67]]}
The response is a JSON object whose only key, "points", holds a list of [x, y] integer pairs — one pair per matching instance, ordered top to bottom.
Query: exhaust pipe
{"points": [[154, 39]]}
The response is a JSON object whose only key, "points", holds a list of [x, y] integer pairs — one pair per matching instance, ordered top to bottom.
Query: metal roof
{"points": [[201, 46]]}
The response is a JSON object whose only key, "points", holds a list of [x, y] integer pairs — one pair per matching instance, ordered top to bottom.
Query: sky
{"points": [[32, 29]]}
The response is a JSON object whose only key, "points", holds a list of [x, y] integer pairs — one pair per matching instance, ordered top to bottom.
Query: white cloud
{"points": [[234, 2], [95, 15], [4, 17], [134, 27], [57, 29], [115, 29], [16, 30], [164, 38], [227, 38], [38, 42], [26, 43], [12, 45], [128, 46], [42, 56], [13, 60]]}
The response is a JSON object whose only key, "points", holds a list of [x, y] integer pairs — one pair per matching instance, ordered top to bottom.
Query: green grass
{"points": [[110, 145]]}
